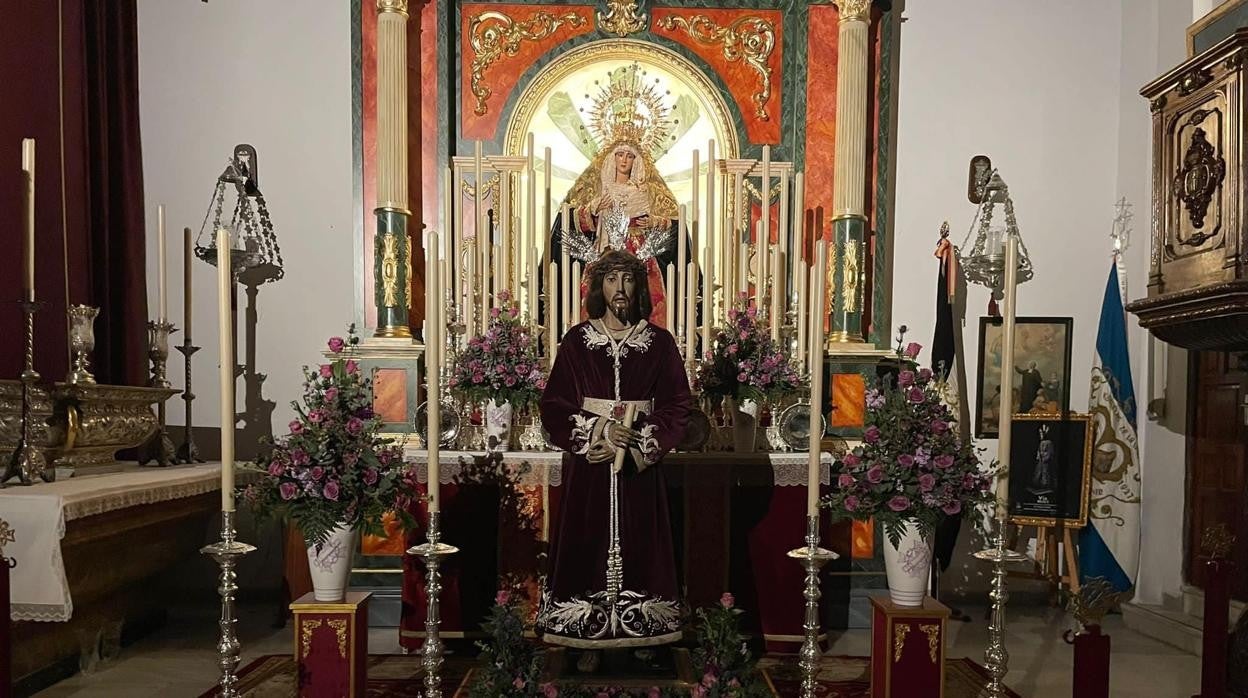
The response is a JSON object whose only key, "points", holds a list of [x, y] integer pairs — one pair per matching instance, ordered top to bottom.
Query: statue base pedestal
{"points": [[331, 645], [907, 648]]}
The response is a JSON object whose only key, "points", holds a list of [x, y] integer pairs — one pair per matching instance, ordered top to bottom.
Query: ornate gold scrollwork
{"points": [[397, 6], [853, 10], [621, 18], [494, 34], [750, 39], [1194, 80], [1157, 104], [1196, 182], [390, 270], [829, 278], [849, 278], [6, 535], [1217, 541], [1096, 597], [340, 629], [305, 635], [933, 639], [899, 641]]}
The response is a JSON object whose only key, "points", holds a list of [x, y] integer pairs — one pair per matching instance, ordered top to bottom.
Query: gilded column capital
{"points": [[395, 6], [854, 10]]}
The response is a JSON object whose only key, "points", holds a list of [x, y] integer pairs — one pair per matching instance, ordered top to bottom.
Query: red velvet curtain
{"points": [[70, 74]]}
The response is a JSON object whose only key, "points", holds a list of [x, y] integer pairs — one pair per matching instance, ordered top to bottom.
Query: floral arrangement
{"points": [[744, 363], [502, 364], [912, 464], [334, 468], [511, 665], [728, 668]]}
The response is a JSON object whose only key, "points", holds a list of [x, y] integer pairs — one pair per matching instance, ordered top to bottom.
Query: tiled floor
{"points": [[180, 659]]}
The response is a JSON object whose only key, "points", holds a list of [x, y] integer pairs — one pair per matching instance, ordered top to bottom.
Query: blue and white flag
{"points": [[1109, 546]]}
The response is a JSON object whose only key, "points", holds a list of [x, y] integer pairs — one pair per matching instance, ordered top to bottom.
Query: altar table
{"points": [[734, 517], [84, 545]]}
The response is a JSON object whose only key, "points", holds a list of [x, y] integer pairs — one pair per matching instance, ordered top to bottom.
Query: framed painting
{"points": [[1041, 370], [1050, 469]]}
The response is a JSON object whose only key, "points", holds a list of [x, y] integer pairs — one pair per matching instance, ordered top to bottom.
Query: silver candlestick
{"points": [[82, 342], [161, 447], [188, 452], [27, 461], [433, 550], [227, 552], [812, 558], [996, 657]]}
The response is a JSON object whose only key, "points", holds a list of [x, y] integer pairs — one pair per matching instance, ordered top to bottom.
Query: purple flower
{"points": [[336, 344], [732, 348], [912, 350], [353, 366], [327, 371], [925, 375], [905, 378], [331, 395], [915, 395], [875, 399], [316, 416], [355, 425], [939, 426], [296, 427], [871, 435], [922, 456], [299, 457], [350, 458], [852, 459], [905, 460], [943, 461], [275, 468], [317, 473], [875, 475], [370, 476], [845, 480], [926, 482], [288, 490], [331, 490], [850, 503], [899, 503], [952, 508], [727, 600], [519, 683]]}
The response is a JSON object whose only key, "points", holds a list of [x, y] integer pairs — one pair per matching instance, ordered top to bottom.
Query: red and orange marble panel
{"points": [[821, 61], [502, 76], [742, 80], [390, 394], [849, 400], [862, 540]]}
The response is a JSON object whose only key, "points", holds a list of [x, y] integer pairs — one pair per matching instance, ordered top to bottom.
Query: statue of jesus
{"points": [[612, 579]]}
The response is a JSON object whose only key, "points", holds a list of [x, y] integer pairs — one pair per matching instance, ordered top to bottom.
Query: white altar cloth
{"points": [[37, 515]]}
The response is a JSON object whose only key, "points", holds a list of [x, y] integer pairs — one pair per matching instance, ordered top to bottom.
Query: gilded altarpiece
{"points": [[756, 72]]}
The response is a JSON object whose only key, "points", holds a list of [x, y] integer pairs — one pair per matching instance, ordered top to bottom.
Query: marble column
{"points": [[392, 244], [847, 272]]}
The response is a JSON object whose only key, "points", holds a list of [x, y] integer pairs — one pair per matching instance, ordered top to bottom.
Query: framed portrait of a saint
{"points": [[1041, 370], [1050, 469]]}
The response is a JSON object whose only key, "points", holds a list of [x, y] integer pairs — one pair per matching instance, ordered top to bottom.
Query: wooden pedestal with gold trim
{"points": [[331, 646], [907, 649]]}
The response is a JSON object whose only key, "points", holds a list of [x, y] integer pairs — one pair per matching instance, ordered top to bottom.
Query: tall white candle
{"points": [[695, 178], [547, 211], [28, 215], [799, 215], [681, 219], [740, 223], [785, 231], [764, 233], [503, 234], [450, 243], [530, 245], [709, 268], [743, 269], [162, 271], [565, 272], [481, 275], [801, 279], [669, 292], [576, 293], [777, 294], [690, 299], [552, 318], [225, 325], [433, 365], [816, 383], [1006, 400]]}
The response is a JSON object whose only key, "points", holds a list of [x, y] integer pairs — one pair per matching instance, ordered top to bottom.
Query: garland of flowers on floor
{"points": [[511, 665]]}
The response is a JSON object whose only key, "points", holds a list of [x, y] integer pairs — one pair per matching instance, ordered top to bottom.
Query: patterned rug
{"points": [[399, 676]]}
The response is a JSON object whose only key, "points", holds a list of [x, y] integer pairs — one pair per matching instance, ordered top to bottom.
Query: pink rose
{"points": [[495, 312], [336, 344], [732, 348], [912, 350], [352, 366], [327, 371], [925, 375], [905, 378], [915, 395], [316, 416], [355, 425], [939, 426], [296, 427], [872, 434], [350, 458], [851, 459], [905, 460], [943, 461], [275, 468], [317, 473], [875, 475], [370, 477], [845, 480], [926, 482], [288, 490], [331, 490], [850, 503], [899, 503], [952, 508], [502, 598], [727, 601], [549, 690], [654, 692]]}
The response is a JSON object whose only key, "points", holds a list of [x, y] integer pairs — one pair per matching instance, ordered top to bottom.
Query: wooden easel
{"points": [[1048, 562]]}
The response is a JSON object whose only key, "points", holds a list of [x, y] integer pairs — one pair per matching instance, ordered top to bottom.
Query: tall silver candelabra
{"points": [[28, 462], [433, 550], [227, 553], [813, 558], [996, 657]]}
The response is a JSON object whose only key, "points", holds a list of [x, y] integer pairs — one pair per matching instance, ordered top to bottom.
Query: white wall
{"points": [[212, 75]]}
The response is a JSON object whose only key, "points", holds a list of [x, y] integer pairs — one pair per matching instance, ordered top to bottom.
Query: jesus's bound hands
{"points": [[621, 436]]}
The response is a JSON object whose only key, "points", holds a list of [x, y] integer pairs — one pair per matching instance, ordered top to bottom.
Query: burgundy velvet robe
{"points": [[580, 608]]}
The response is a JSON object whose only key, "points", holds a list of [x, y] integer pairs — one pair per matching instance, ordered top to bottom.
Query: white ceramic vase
{"points": [[498, 424], [744, 426], [330, 565], [908, 566]]}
